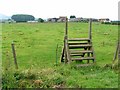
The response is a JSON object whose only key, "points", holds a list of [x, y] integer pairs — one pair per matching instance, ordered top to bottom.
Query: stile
{"points": [[77, 49]]}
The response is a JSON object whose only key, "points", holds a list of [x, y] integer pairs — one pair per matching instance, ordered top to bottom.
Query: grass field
{"points": [[35, 45]]}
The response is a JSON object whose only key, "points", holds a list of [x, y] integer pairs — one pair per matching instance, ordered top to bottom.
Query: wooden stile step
{"points": [[79, 39], [76, 43], [80, 46], [78, 51], [76, 54], [83, 58]]}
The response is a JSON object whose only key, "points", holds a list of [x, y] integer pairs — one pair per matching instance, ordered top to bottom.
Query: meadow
{"points": [[36, 45]]}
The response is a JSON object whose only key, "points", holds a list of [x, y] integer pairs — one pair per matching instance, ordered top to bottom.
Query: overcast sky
{"points": [[56, 8]]}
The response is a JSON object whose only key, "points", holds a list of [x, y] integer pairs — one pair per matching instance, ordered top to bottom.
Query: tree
{"points": [[72, 16], [22, 17], [40, 20]]}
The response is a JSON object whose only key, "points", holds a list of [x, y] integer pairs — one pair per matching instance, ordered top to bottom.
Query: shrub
{"points": [[72, 16], [40, 20], [106, 22]]}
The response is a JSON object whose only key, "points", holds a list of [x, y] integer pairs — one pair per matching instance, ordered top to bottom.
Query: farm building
{"points": [[52, 19], [61, 19], [75, 19], [82, 19], [95, 20], [104, 20], [7, 21]]}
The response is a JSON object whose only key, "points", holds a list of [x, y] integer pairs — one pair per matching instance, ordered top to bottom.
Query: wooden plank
{"points": [[78, 39], [76, 43], [80, 46], [78, 51], [76, 54], [83, 58]]}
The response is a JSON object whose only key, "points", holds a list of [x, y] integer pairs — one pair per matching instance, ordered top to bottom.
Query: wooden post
{"points": [[66, 27], [90, 28], [65, 40], [119, 50], [65, 52], [56, 53], [116, 53], [119, 54], [14, 55], [88, 55], [62, 56]]}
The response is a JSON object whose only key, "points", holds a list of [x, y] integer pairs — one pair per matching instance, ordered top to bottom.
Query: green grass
{"points": [[36, 43]]}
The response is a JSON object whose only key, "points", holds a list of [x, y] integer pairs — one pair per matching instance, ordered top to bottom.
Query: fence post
{"points": [[66, 27], [90, 28], [65, 39], [56, 54], [119, 54], [14, 55]]}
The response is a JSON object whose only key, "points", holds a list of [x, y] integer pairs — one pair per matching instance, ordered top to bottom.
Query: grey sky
{"points": [[56, 8]]}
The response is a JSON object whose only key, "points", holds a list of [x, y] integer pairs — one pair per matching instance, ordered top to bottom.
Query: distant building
{"points": [[52, 19], [61, 19], [75, 19], [84, 19], [95, 20], [104, 20], [7, 21]]}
